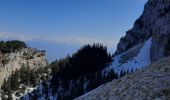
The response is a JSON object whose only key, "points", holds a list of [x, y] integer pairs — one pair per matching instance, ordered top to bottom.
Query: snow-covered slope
{"points": [[135, 58], [129, 62], [150, 83]]}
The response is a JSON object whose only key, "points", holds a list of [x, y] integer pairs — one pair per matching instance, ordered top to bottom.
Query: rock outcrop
{"points": [[155, 23], [15, 60], [150, 83]]}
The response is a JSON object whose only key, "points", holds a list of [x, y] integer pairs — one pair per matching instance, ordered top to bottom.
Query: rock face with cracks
{"points": [[155, 23], [15, 60]]}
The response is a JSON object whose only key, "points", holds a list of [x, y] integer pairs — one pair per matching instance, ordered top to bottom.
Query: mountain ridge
{"points": [[154, 22]]}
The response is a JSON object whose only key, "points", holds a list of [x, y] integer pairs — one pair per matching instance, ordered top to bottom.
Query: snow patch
{"points": [[141, 60]]}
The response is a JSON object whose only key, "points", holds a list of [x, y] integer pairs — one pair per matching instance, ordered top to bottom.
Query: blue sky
{"points": [[62, 26]]}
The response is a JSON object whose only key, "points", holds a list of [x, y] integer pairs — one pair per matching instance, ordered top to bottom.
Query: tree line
{"points": [[11, 46], [22, 78]]}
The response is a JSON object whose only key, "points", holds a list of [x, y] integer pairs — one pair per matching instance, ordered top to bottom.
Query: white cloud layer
{"points": [[58, 39]]}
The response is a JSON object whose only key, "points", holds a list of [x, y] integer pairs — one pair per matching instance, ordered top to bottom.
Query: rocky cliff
{"points": [[155, 23], [15, 60], [150, 83]]}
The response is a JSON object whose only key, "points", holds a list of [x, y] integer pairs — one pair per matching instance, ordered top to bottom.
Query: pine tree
{"points": [[167, 46], [122, 73], [23, 75], [34, 78], [15, 80], [5, 86]]}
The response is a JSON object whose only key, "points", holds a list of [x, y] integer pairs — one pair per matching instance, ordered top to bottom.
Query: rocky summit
{"points": [[155, 23], [150, 83]]}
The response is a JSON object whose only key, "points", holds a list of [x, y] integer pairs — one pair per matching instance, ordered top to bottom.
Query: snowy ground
{"points": [[141, 60], [40, 90]]}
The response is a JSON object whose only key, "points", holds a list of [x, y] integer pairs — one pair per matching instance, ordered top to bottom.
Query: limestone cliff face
{"points": [[155, 23], [25, 57]]}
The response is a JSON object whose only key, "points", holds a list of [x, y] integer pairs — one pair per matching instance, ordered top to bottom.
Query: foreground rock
{"points": [[150, 83]]}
